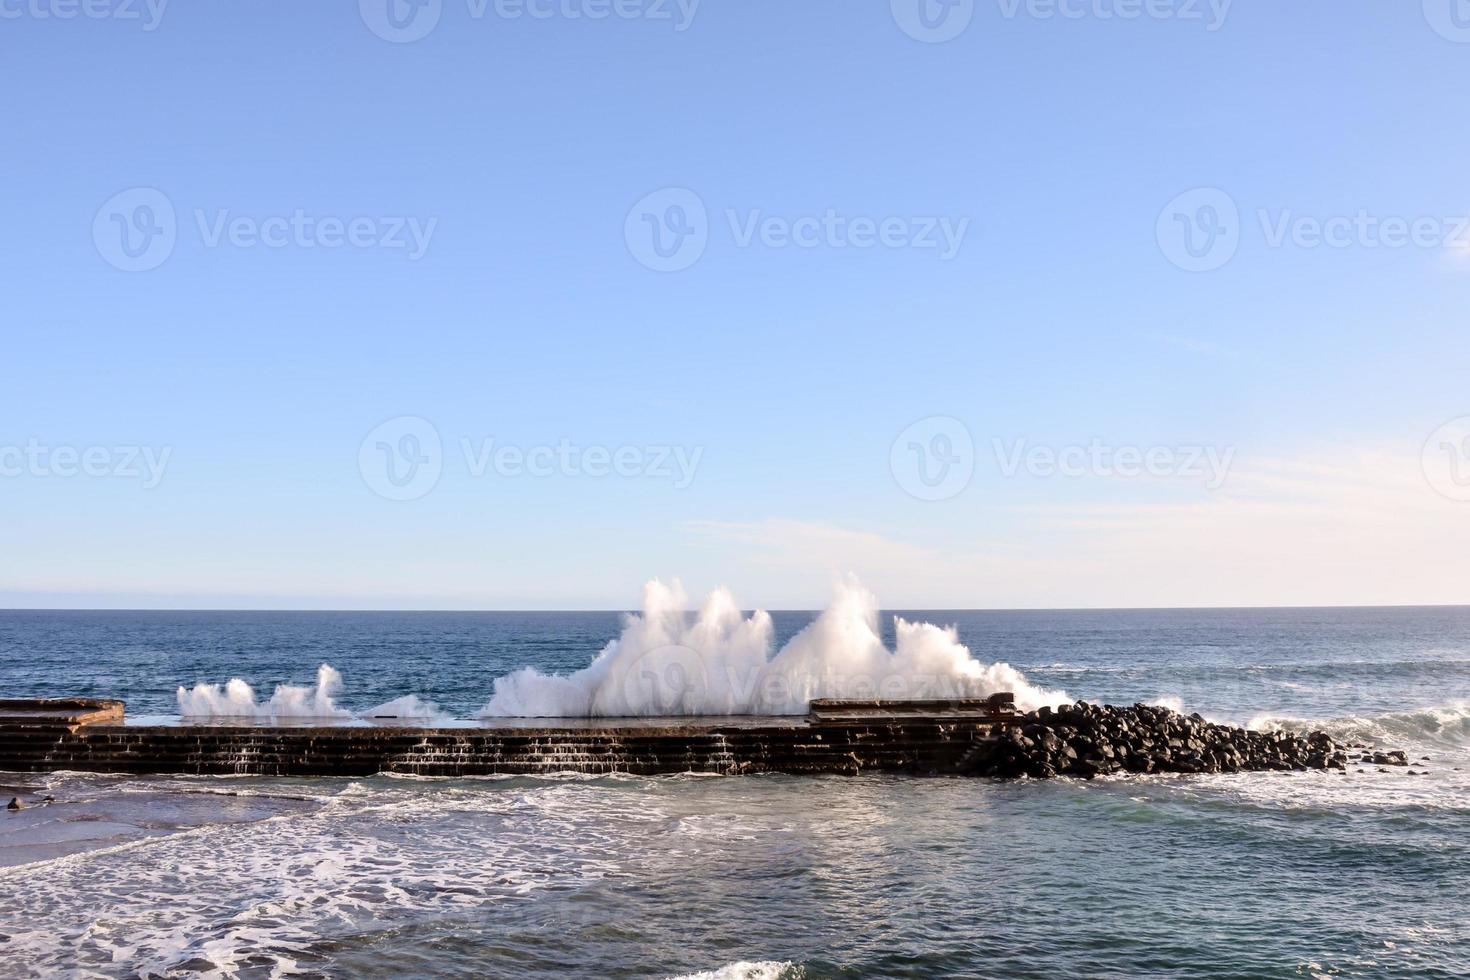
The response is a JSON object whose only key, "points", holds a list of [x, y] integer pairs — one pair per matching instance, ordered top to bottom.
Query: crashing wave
{"points": [[723, 662], [236, 700], [1446, 725]]}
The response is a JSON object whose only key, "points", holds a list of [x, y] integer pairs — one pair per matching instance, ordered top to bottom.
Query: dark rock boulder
{"points": [[1088, 740]]}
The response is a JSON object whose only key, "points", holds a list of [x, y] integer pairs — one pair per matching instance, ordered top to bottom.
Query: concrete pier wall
{"points": [[790, 746]]}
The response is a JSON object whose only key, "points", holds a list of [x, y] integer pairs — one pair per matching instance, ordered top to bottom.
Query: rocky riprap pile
{"points": [[1090, 740]]}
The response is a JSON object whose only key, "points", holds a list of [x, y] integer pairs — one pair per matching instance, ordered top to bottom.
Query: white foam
{"points": [[724, 662], [236, 700], [409, 707], [1446, 725], [257, 898], [743, 970]]}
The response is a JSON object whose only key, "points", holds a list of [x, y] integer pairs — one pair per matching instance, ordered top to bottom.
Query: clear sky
{"points": [[756, 293]]}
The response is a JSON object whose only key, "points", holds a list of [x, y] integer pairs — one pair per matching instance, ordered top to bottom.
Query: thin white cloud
{"points": [[1195, 345], [1339, 526], [806, 544]]}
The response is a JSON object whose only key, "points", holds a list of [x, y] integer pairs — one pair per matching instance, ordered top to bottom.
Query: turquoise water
{"points": [[1264, 875]]}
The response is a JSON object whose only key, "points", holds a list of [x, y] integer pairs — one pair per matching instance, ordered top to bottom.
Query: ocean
{"points": [[1260, 875]]}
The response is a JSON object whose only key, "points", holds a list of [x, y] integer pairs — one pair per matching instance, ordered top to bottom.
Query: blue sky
{"points": [[802, 385]]}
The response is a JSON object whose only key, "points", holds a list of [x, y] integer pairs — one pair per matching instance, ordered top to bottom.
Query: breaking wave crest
{"points": [[723, 662], [1446, 725]]}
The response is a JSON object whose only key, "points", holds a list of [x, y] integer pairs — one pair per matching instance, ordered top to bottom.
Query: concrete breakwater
{"points": [[982, 737], [837, 738], [1089, 740], [917, 747]]}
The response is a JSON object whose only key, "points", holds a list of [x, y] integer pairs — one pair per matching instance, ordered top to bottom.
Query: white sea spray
{"points": [[725, 662]]}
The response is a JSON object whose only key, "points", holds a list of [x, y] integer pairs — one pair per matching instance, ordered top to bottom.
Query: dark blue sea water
{"points": [[1263, 875]]}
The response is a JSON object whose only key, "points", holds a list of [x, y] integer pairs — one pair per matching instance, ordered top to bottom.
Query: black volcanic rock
{"points": [[1090, 740]]}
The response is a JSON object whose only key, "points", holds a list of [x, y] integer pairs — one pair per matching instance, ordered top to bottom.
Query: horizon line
{"points": [[770, 609]]}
